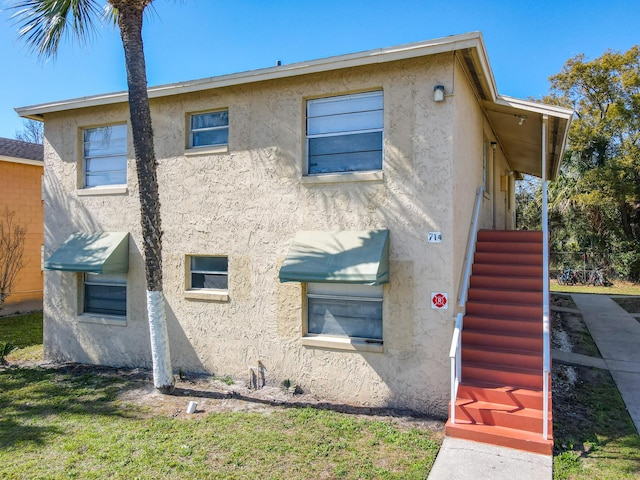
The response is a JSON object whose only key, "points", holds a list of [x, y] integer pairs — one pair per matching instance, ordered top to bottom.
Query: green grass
{"points": [[618, 288], [22, 330], [57, 424], [595, 437]]}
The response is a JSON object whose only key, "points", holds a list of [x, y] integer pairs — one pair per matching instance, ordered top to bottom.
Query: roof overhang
{"points": [[465, 41], [518, 125], [522, 144]]}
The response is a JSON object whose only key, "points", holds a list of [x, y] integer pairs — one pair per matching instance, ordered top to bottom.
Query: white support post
{"points": [[546, 353]]}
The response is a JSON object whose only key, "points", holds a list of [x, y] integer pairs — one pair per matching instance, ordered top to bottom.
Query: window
{"points": [[209, 129], [344, 133], [104, 156], [208, 273], [105, 294], [347, 310]]}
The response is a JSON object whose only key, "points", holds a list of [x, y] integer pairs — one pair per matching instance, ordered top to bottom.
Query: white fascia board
{"points": [[370, 57], [535, 107], [25, 161]]}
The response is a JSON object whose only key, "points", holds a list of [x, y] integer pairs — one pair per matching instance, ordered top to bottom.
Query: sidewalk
{"points": [[21, 307], [617, 335]]}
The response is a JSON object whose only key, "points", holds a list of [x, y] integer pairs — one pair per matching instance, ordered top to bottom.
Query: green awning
{"points": [[104, 252], [347, 256]]}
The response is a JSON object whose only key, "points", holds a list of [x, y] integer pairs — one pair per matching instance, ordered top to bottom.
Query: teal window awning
{"points": [[104, 252], [347, 256]]}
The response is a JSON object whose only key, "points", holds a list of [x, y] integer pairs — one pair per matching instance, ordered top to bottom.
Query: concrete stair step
{"points": [[510, 236], [510, 247], [521, 259], [508, 270], [501, 282], [505, 297], [496, 310], [526, 326], [515, 341], [508, 357], [501, 374], [489, 392], [487, 413], [501, 436]]}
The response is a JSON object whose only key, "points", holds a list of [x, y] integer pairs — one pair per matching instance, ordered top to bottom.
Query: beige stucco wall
{"points": [[248, 203]]}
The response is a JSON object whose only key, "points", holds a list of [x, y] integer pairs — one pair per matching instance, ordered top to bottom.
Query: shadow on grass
{"points": [[35, 402], [329, 406], [591, 422]]}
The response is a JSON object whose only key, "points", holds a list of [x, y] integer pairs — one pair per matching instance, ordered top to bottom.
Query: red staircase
{"points": [[500, 394]]}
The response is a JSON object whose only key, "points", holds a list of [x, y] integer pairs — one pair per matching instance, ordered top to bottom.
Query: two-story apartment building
{"points": [[315, 217]]}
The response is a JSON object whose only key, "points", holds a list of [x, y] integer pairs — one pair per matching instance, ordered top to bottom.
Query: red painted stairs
{"points": [[499, 398]]}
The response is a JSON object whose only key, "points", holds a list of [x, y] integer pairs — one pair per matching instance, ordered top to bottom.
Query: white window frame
{"points": [[375, 116], [192, 130], [104, 156], [106, 280], [343, 292], [218, 294]]}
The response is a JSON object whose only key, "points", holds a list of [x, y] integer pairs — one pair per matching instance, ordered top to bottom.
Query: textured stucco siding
{"points": [[248, 203]]}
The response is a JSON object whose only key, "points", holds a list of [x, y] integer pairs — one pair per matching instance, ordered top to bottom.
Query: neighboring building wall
{"points": [[21, 192], [249, 202]]}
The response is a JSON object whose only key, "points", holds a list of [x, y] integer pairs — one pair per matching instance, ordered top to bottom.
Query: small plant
{"points": [[5, 349], [226, 379], [289, 387]]}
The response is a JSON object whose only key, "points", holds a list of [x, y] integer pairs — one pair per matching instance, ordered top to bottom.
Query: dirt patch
{"points": [[563, 300], [630, 304], [569, 332], [215, 396]]}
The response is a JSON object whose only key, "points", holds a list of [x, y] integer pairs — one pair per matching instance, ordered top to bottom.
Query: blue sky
{"points": [[527, 41]]}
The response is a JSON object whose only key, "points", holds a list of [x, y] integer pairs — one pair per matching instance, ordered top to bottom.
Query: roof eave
{"points": [[414, 50]]}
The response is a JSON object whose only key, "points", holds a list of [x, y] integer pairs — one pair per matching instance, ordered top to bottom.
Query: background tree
{"points": [[43, 24], [32, 132], [597, 196], [11, 252]]}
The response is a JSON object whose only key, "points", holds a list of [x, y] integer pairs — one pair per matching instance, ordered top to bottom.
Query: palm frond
{"points": [[43, 23]]}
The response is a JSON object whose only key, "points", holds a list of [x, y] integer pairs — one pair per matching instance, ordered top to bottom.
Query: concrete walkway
{"points": [[9, 309], [617, 335]]}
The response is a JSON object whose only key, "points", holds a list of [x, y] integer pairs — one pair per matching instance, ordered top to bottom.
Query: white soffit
{"points": [[518, 125]]}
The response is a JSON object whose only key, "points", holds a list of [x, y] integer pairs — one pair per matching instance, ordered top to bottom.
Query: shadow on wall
{"points": [[69, 340]]}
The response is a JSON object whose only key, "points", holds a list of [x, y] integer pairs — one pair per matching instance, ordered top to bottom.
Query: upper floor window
{"points": [[209, 129], [344, 133], [104, 155]]}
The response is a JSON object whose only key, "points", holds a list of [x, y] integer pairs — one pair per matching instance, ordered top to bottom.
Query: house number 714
{"points": [[434, 237]]}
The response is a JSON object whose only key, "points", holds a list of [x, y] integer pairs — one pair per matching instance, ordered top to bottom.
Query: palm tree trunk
{"points": [[130, 13]]}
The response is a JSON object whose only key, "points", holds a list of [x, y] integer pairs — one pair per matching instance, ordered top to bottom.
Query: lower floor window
{"points": [[208, 273], [105, 293], [345, 310]]}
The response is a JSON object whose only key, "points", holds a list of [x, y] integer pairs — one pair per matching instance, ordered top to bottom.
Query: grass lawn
{"points": [[618, 288], [22, 330], [59, 423], [595, 438]]}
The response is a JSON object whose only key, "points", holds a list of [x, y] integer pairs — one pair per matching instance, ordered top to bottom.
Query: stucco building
{"points": [[21, 171], [315, 216]]}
